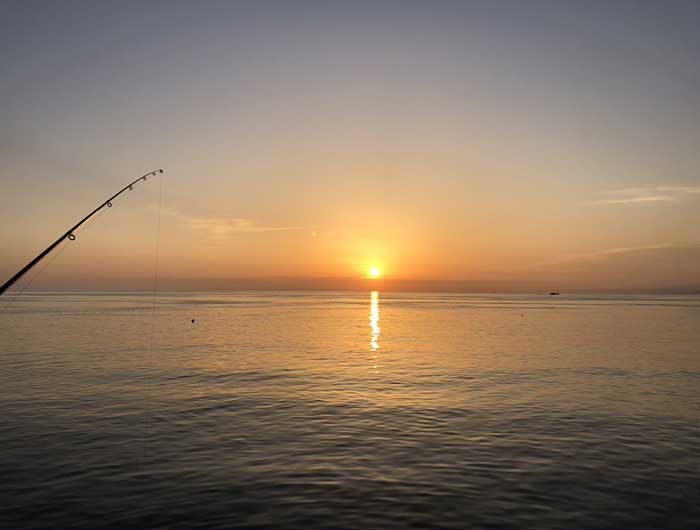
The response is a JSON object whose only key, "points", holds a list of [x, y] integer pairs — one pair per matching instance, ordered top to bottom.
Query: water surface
{"points": [[349, 410]]}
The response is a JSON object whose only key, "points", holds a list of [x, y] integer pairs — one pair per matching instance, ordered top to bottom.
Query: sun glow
{"points": [[375, 272]]}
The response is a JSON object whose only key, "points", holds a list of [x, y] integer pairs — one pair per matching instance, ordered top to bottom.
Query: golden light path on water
{"points": [[374, 326]]}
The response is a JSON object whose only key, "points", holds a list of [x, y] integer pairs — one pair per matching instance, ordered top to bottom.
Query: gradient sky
{"points": [[485, 142]]}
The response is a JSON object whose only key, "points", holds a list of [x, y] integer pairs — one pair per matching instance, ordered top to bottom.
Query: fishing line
{"points": [[156, 265], [149, 417]]}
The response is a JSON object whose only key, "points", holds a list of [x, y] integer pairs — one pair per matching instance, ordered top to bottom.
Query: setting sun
{"points": [[375, 272]]}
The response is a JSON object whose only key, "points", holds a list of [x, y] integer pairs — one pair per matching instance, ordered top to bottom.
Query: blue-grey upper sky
{"points": [[445, 139]]}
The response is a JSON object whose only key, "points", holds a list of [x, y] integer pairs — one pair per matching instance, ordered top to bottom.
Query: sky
{"points": [[491, 145]]}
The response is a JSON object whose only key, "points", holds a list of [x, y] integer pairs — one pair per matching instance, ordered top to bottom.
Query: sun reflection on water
{"points": [[374, 326]]}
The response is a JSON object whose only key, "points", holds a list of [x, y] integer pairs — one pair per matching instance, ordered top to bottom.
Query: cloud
{"points": [[641, 195], [632, 200], [220, 228], [603, 255], [643, 268]]}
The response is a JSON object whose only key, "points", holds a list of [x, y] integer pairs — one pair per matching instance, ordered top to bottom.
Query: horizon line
{"points": [[349, 284]]}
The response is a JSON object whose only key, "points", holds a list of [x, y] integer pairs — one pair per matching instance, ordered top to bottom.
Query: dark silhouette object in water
{"points": [[69, 234], [553, 294], [193, 320]]}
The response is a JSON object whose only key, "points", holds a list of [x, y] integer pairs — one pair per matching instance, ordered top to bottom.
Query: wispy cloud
{"points": [[649, 194], [633, 200], [217, 229], [612, 253], [605, 254], [634, 268]]}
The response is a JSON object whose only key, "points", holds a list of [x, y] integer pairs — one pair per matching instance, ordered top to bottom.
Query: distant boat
{"points": [[553, 294]]}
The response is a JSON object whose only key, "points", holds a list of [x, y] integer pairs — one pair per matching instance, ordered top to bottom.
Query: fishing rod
{"points": [[70, 233]]}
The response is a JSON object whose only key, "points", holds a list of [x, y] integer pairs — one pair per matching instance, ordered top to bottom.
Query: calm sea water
{"points": [[349, 410]]}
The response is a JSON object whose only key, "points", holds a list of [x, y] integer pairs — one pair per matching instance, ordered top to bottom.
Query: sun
{"points": [[375, 272]]}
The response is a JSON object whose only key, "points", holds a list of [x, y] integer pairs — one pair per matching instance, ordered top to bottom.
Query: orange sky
{"points": [[491, 151]]}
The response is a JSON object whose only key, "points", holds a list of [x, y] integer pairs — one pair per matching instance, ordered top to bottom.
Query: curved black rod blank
{"points": [[69, 234]]}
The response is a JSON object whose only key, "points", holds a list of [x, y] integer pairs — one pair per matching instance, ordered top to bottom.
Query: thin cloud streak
{"points": [[640, 195], [632, 200], [221, 228], [602, 255], [671, 267]]}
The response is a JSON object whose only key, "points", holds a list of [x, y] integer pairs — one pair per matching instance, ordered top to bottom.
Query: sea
{"points": [[338, 410]]}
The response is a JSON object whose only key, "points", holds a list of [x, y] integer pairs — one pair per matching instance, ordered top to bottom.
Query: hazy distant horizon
{"points": [[655, 269], [223, 285]]}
